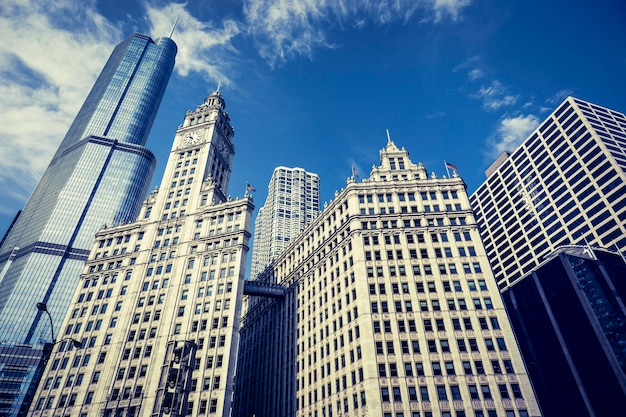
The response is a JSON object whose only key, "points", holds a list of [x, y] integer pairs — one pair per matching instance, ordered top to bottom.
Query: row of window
{"points": [[408, 196], [450, 268], [451, 392]]}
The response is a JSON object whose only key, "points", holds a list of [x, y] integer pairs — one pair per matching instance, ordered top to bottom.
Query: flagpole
{"points": [[447, 170], [589, 248]]}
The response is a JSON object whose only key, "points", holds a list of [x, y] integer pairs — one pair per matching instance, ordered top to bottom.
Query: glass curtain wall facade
{"points": [[98, 176], [565, 184], [292, 202], [389, 309], [570, 320]]}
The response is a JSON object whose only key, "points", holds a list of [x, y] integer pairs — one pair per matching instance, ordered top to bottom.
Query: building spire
{"points": [[173, 27], [219, 84]]}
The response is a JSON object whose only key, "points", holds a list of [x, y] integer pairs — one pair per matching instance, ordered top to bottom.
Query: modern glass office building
{"points": [[98, 176], [566, 184], [292, 202], [570, 321]]}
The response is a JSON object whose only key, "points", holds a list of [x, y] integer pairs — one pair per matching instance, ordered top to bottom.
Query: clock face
{"points": [[192, 138], [223, 149]]}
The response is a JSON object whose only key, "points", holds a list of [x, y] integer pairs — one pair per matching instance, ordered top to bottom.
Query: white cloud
{"points": [[451, 8], [284, 29], [200, 44], [54, 50], [52, 54], [472, 66], [45, 74], [475, 74], [495, 96], [559, 96], [435, 115], [511, 132]]}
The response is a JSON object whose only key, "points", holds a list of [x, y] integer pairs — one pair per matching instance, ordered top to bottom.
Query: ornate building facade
{"points": [[158, 305], [387, 308]]}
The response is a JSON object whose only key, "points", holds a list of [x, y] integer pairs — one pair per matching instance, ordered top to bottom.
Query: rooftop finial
{"points": [[173, 27], [219, 84], [388, 136]]}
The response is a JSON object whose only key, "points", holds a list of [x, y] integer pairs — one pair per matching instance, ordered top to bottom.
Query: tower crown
{"points": [[214, 100]]}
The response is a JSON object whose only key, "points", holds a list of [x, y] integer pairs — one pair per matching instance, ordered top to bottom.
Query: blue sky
{"points": [[313, 83]]}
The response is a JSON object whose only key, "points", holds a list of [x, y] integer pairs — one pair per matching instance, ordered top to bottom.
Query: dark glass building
{"points": [[98, 176], [570, 321]]}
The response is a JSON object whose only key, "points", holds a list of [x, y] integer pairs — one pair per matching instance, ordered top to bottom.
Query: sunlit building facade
{"points": [[99, 175], [565, 184], [292, 202], [159, 299], [388, 308]]}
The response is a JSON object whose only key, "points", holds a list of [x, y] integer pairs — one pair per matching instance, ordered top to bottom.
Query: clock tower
{"points": [[200, 161], [175, 277]]}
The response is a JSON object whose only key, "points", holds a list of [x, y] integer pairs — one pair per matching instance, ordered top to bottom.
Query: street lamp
{"points": [[44, 308], [47, 347], [46, 353]]}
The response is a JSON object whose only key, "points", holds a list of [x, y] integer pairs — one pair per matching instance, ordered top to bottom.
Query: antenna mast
{"points": [[173, 27]]}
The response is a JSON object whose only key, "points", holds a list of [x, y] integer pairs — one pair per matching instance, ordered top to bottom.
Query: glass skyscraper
{"points": [[99, 176], [570, 322]]}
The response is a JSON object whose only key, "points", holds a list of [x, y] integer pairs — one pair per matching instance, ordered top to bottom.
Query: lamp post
{"points": [[44, 308], [47, 347], [46, 353]]}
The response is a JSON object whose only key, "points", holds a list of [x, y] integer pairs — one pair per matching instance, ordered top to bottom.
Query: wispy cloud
{"points": [[451, 8], [284, 29], [197, 40], [55, 51], [473, 68], [475, 74], [47, 76], [495, 96], [559, 96], [434, 115], [511, 132]]}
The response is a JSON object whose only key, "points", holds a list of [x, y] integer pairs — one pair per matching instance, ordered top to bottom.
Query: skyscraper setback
{"points": [[99, 175], [565, 184], [292, 202]]}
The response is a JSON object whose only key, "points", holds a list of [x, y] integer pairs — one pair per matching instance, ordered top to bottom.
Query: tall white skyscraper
{"points": [[566, 184], [292, 202], [158, 305]]}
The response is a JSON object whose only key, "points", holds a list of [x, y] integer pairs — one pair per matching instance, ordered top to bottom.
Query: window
{"points": [[486, 392], [504, 392], [517, 392], [384, 393], [441, 393], [396, 394]]}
